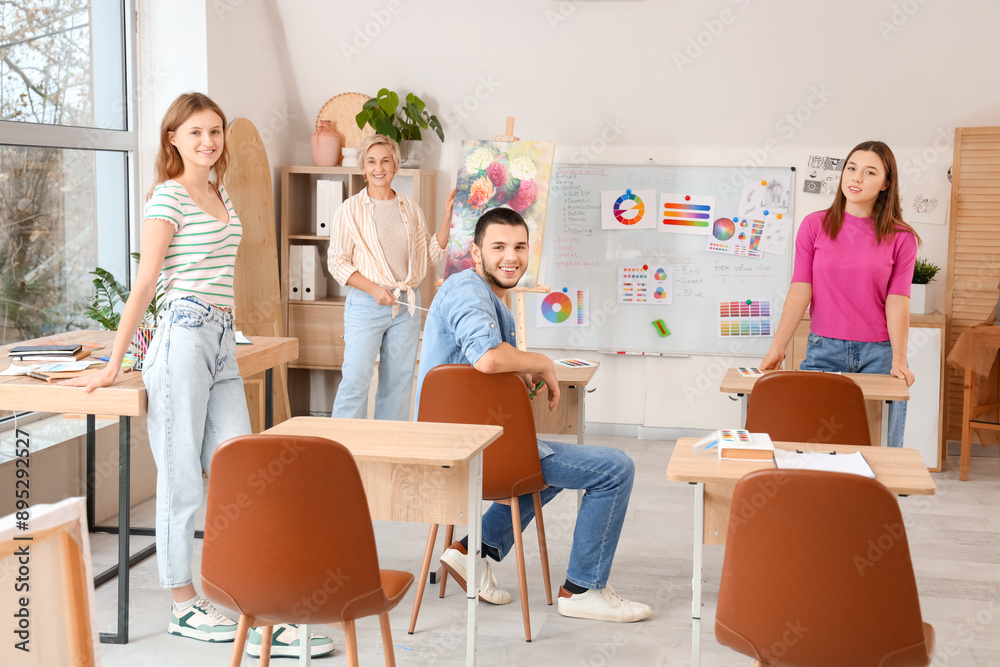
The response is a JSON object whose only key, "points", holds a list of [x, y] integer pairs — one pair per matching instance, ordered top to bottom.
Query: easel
{"points": [[519, 292]]}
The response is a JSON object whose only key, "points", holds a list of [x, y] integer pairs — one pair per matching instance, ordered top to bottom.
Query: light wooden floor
{"points": [[954, 538]]}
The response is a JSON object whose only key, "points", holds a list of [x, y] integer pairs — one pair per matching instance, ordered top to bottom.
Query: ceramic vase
{"points": [[325, 145]]}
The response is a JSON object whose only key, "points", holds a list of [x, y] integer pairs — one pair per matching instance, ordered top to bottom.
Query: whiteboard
{"points": [[579, 256]]}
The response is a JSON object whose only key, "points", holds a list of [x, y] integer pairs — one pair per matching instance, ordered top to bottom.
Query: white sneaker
{"points": [[454, 558], [601, 605], [201, 621], [285, 642]]}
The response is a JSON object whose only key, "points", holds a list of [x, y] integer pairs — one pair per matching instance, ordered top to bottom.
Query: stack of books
{"points": [[49, 353]]}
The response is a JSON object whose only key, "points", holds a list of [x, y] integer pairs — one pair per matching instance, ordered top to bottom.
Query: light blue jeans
{"points": [[370, 333], [850, 356], [196, 402], [606, 474]]}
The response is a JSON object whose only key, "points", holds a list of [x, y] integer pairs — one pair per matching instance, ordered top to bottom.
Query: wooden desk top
{"points": [[581, 375], [874, 386], [127, 396], [418, 443], [901, 470]]}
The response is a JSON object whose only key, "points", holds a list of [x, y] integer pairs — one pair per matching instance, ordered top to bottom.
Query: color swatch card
{"points": [[628, 209], [686, 213], [736, 236], [644, 283], [565, 308], [747, 317], [575, 363], [750, 372]]}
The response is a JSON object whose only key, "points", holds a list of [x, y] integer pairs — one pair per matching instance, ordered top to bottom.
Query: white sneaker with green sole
{"points": [[202, 621], [285, 642]]}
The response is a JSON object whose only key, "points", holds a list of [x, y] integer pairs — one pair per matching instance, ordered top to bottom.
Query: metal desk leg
{"points": [[268, 398], [744, 399], [884, 427], [124, 440], [91, 470], [475, 519], [699, 534], [305, 646]]}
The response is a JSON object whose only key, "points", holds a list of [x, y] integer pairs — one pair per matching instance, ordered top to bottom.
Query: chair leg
{"points": [[967, 408], [449, 536], [543, 549], [425, 568], [522, 577], [242, 628], [265, 644], [351, 644], [387, 650]]}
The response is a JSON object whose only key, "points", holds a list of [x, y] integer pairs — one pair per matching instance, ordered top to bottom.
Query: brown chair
{"points": [[459, 394], [804, 406], [289, 539], [817, 573]]}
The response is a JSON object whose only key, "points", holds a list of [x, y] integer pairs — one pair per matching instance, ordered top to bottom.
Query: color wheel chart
{"points": [[627, 210], [686, 214], [565, 308], [748, 317]]}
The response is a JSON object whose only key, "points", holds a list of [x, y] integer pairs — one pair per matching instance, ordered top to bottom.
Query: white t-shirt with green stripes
{"points": [[201, 257]]}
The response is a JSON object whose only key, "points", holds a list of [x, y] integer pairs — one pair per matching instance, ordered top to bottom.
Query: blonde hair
{"points": [[377, 140], [169, 163]]}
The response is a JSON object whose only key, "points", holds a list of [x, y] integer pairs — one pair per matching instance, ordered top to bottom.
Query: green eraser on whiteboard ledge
{"points": [[661, 328]]}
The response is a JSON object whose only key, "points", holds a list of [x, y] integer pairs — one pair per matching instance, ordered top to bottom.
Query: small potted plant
{"points": [[401, 123], [923, 272], [108, 294]]}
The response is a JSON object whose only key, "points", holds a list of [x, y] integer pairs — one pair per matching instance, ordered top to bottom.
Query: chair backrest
{"points": [[459, 394], [803, 406], [288, 534], [817, 571]]}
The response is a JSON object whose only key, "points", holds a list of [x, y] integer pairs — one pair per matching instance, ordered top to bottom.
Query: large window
{"points": [[66, 146]]}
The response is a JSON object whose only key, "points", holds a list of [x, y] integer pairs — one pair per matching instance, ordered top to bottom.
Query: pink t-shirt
{"points": [[852, 276]]}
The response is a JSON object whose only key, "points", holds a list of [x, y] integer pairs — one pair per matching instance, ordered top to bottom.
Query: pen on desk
{"points": [[535, 390]]}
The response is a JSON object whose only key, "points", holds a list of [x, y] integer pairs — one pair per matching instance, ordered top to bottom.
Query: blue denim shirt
{"points": [[465, 321]]}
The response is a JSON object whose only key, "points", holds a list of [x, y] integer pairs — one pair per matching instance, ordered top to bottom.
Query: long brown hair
{"points": [[168, 160], [886, 211]]}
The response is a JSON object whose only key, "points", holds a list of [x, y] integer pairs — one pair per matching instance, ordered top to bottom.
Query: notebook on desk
{"points": [[853, 463]]}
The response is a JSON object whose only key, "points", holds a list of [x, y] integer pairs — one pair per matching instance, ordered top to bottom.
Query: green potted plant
{"points": [[402, 123], [923, 272], [108, 294]]}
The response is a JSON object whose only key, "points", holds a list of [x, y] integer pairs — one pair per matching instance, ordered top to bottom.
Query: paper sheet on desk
{"points": [[54, 366], [852, 463]]}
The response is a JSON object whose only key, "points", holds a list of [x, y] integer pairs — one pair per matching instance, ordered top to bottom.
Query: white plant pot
{"points": [[918, 299]]}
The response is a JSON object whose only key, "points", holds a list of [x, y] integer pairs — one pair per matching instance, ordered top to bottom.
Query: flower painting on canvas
{"points": [[515, 175]]}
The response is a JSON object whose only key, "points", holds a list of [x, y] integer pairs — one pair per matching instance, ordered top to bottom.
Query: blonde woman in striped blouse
{"points": [[190, 234], [380, 248]]}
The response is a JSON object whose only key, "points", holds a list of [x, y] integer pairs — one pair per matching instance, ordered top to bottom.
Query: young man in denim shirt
{"points": [[468, 323]]}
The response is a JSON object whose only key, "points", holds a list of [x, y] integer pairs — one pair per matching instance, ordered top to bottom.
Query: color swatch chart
{"points": [[686, 214], [736, 236], [643, 283], [564, 308], [747, 317]]}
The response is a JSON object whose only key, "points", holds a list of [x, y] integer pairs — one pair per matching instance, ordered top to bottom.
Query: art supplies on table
{"points": [[48, 353], [575, 363], [750, 372], [737, 445], [854, 463]]}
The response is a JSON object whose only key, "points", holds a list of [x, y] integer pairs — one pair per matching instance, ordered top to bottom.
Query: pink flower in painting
{"points": [[497, 173], [481, 192], [526, 194]]}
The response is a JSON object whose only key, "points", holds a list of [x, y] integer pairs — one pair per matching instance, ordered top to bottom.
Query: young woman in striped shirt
{"points": [[190, 234], [381, 249]]}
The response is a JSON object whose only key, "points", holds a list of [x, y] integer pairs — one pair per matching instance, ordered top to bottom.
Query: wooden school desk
{"points": [[876, 388], [126, 398], [570, 415], [901, 470], [421, 472]]}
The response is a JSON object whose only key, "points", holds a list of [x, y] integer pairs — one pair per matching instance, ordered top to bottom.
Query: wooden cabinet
{"points": [[319, 325]]}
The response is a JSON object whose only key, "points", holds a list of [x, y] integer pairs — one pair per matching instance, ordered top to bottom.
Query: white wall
{"points": [[722, 82]]}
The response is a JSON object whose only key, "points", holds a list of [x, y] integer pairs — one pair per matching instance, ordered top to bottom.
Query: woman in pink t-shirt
{"points": [[853, 267]]}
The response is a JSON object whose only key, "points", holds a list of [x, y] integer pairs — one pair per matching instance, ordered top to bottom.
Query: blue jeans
{"points": [[370, 332], [849, 356], [196, 402], [606, 474]]}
